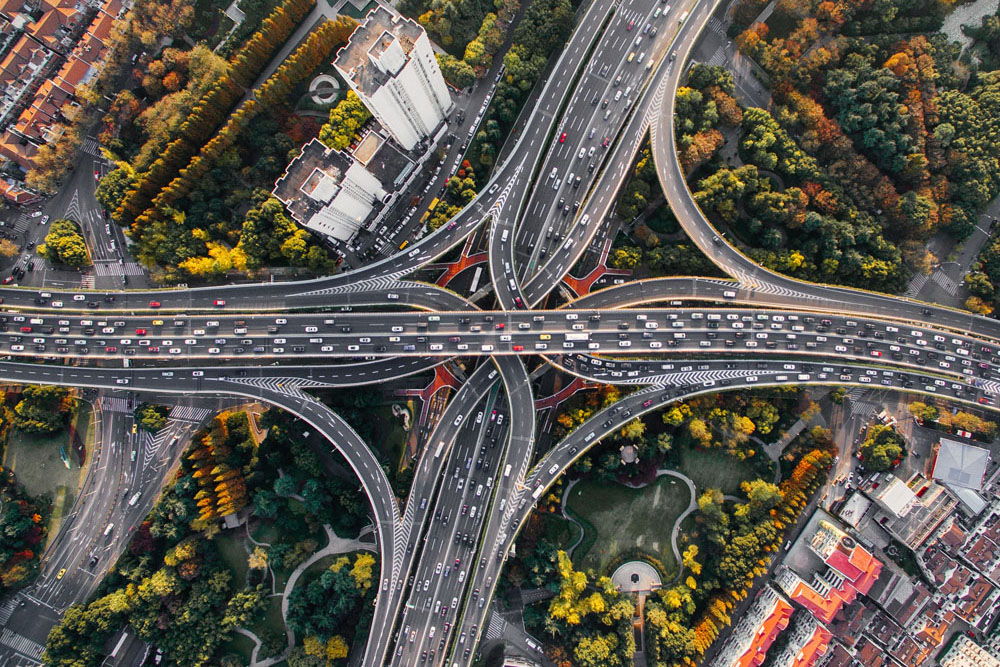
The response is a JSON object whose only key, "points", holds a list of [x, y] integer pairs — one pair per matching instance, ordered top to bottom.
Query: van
{"points": [[134, 499], [107, 531]]}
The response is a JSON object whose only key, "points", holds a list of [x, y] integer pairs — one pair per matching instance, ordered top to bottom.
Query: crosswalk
{"points": [[716, 26], [91, 147], [112, 268], [87, 281], [945, 281], [916, 284], [114, 404], [860, 408], [189, 413], [7, 609], [496, 627], [21, 644]]}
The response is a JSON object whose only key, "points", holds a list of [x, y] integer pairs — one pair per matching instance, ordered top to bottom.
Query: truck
{"points": [[577, 336]]}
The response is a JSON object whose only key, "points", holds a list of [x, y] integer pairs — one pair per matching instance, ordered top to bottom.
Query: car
{"points": [[631, 24], [562, 138], [605, 142], [44, 219], [79, 297], [219, 303], [57, 304], [154, 304], [518, 348], [122, 381], [61, 573]]}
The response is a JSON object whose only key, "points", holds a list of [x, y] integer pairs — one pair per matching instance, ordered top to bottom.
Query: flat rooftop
{"points": [[371, 39]]}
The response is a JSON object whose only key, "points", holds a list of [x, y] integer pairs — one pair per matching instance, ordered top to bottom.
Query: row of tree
{"points": [[212, 109], [22, 532]]}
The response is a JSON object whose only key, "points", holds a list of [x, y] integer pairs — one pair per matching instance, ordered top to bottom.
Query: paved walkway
{"points": [[335, 545]]}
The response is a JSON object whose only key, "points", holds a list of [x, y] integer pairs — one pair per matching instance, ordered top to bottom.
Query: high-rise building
{"points": [[391, 66]]}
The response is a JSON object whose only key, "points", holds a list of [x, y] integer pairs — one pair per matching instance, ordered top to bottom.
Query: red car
{"points": [[631, 24], [562, 138], [605, 142], [8, 280], [219, 303], [154, 304], [500, 326], [140, 332], [110, 348], [519, 348], [876, 353]]}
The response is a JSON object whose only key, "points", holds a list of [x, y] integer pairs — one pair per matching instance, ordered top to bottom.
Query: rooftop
{"points": [[371, 55], [387, 164], [961, 464]]}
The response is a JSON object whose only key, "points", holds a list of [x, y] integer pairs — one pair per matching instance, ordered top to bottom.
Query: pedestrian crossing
{"points": [[716, 26], [718, 58], [91, 147], [104, 268], [87, 281], [945, 281], [916, 284], [114, 404], [189, 413], [7, 609], [496, 627], [21, 644]]}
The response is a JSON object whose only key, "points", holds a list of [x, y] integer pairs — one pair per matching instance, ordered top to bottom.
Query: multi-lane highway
{"points": [[442, 554]]}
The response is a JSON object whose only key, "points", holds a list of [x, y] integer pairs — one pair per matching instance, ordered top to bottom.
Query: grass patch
{"points": [[350, 10], [390, 435], [38, 462], [713, 468], [617, 518], [560, 531], [266, 532], [234, 554], [271, 622], [240, 646]]}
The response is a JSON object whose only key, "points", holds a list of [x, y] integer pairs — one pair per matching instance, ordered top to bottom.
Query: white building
{"points": [[391, 66], [329, 192]]}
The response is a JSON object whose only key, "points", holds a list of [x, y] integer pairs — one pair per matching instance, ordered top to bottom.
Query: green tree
{"points": [[456, 72], [346, 119], [64, 244], [43, 409], [151, 417], [882, 448]]}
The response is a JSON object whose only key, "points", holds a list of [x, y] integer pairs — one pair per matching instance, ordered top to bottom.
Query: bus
{"points": [[434, 203], [578, 336], [440, 448], [539, 490]]}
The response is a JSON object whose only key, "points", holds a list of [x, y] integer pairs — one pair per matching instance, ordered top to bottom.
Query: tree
{"points": [[456, 72], [346, 119], [64, 244], [8, 249], [43, 409], [151, 417], [882, 448]]}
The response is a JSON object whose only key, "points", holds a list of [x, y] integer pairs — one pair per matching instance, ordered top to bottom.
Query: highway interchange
{"points": [[441, 555]]}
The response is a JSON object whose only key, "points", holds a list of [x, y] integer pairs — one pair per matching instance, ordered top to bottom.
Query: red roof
{"points": [[766, 633], [814, 648]]}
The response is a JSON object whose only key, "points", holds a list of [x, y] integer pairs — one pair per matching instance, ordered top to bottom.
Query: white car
{"points": [[79, 297], [57, 304], [281, 320], [175, 350], [213, 350], [198, 374], [122, 380]]}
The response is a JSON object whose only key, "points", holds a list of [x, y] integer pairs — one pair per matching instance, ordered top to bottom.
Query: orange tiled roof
{"points": [[113, 7], [101, 26], [90, 49], [71, 74], [17, 149], [769, 629], [814, 649]]}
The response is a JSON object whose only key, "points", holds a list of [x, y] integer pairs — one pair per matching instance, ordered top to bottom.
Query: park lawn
{"points": [[37, 461], [714, 469], [624, 518], [560, 532], [234, 554], [271, 620], [239, 645]]}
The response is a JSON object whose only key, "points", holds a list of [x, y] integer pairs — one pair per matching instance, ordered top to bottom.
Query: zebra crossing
{"points": [[716, 26], [718, 58], [91, 147], [20, 223], [112, 268], [87, 281], [945, 281], [382, 283], [916, 284], [114, 404], [859, 408], [188, 413], [7, 609], [496, 627], [21, 644]]}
